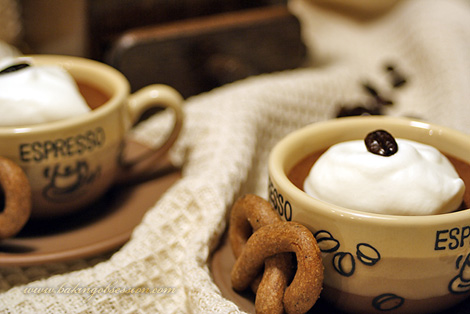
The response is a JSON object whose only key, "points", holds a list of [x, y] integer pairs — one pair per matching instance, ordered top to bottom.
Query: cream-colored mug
{"points": [[72, 162], [379, 263]]}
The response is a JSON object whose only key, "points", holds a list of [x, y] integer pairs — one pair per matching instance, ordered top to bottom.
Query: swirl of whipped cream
{"points": [[37, 94], [417, 180]]}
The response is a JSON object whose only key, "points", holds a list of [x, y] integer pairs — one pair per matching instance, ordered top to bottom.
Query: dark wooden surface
{"points": [[108, 19], [196, 55]]}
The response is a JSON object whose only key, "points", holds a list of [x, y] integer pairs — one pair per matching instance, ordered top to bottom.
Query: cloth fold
{"points": [[225, 144]]}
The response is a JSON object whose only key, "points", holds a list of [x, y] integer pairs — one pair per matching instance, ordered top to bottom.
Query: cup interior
{"points": [[98, 75], [319, 136]]}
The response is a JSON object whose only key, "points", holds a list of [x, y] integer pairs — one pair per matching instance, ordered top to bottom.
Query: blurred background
{"points": [[192, 45]]}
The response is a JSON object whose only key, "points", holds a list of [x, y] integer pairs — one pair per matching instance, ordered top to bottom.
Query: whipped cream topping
{"points": [[37, 94], [417, 180]]}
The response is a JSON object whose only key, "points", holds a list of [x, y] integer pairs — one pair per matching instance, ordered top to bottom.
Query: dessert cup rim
{"points": [[119, 85], [279, 179]]}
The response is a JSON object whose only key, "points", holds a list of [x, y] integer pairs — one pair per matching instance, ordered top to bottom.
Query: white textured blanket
{"points": [[226, 140]]}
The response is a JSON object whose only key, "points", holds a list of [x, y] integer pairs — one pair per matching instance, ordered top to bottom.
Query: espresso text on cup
{"points": [[62, 147], [452, 238]]}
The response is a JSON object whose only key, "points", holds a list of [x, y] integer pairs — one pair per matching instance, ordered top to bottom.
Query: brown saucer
{"points": [[104, 226], [221, 264]]}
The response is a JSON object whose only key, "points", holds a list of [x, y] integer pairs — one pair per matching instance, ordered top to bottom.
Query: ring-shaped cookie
{"points": [[17, 198], [249, 213], [281, 237]]}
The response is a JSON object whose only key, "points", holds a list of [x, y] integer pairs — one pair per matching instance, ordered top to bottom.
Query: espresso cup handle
{"points": [[152, 96]]}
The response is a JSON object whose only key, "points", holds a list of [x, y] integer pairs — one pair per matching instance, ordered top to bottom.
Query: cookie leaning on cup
{"points": [[17, 198], [249, 213], [270, 246]]}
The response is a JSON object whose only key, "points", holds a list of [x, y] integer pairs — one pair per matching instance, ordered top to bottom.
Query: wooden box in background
{"points": [[192, 45], [198, 54]]}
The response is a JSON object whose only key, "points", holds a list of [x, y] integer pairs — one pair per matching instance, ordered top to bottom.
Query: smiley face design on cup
{"points": [[66, 181], [460, 284]]}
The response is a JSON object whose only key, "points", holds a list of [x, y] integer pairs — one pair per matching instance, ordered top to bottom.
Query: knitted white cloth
{"points": [[225, 144]]}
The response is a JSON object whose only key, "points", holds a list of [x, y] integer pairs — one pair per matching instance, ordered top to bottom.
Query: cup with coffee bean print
{"points": [[71, 145], [386, 201]]}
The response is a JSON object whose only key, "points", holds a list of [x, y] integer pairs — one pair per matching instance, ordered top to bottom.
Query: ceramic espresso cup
{"points": [[72, 162], [378, 263]]}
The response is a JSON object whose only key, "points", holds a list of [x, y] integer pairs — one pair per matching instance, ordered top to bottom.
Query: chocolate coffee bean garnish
{"points": [[15, 67], [397, 79], [379, 99], [358, 111], [382, 143]]}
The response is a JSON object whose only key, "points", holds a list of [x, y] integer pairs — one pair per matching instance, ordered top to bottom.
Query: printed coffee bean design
{"points": [[326, 242], [367, 254], [344, 264], [387, 302]]}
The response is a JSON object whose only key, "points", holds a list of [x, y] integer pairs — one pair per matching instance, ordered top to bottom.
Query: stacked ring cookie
{"points": [[17, 198], [259, 238]]}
